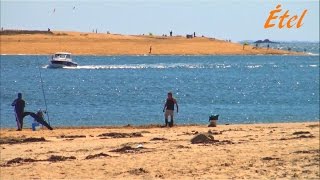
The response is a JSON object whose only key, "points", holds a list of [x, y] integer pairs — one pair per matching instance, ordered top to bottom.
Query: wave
{"points": [[312, 54], [313, 65], [175, 66], [254, 66]]}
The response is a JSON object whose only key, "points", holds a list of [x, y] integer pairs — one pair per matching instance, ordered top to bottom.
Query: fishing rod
{"points": [[44, 95]]}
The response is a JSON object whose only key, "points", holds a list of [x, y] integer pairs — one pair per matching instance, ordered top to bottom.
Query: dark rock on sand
{"points": [[300, 132], [120, 135], [72, 136], [202, 138], [158, 139], [20, 140], [183, 147], [125, 149], [129, 149], [315, 151], [97, 155], [52, 158], [55, 158], [269, 158], [20, 160], [138, 171]]}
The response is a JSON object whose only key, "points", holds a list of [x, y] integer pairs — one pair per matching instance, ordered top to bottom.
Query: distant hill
{"points": [[15, 32], [264, 41]]}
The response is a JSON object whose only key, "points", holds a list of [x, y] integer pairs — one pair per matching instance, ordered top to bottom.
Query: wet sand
{"points": [[117, 44], [255, 151]]}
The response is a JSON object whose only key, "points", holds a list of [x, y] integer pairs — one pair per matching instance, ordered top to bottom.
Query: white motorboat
{"points": [[62, 59]]}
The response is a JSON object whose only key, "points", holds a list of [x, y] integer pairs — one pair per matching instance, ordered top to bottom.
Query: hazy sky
{"points": [[225, 19]]}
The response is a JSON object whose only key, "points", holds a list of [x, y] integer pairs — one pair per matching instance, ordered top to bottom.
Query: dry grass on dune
{"points": [[115, 44]]}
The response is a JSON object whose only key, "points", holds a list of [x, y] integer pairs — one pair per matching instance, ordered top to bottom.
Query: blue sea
{"points": [[121, 90]]}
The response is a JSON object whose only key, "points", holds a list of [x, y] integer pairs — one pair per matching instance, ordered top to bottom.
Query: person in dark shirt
{"points": [[19, 105], [169, 109]]}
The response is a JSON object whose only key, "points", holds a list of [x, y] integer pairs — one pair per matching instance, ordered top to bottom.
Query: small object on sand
{"points": [[35, 126], [213, 132], [202, 138], [139, 146]]}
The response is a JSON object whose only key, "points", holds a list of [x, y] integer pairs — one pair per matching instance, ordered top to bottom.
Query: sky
{"points": [[223, 19]]}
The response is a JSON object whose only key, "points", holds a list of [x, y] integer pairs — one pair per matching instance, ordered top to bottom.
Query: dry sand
{"points": [[112, 44], [259, 151]]}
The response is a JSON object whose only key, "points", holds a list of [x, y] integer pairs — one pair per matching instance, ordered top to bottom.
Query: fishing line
{"points": [[44, 95]]}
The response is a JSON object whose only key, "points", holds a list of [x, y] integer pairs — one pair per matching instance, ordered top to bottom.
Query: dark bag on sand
{"points": [[214, 117]]}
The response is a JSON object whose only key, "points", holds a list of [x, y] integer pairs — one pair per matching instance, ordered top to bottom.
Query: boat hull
{"points": [[62, 64]]}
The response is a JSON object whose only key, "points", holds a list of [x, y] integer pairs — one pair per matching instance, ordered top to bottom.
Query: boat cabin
{"points": [[62, 55]]}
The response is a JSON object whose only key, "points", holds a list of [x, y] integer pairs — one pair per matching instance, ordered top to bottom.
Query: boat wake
{"points": [[150, 66], [174, 66]]}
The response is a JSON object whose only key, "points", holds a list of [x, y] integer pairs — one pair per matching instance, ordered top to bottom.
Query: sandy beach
{"points": [[117, 44], [256, 151]]}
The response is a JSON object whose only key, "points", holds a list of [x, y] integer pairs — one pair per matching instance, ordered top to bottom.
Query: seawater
{"points": [[121, 90]]}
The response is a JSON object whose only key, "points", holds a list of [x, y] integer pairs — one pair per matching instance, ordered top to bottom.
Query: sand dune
{"points": [[113, 44], [261, 151]]}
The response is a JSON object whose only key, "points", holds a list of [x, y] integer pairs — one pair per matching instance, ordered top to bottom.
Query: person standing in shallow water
{"points": [[19, 105], [168, 109]]}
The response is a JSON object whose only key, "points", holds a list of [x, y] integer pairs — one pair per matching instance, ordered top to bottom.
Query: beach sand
{"points": [[116, 44], [255, 151]]}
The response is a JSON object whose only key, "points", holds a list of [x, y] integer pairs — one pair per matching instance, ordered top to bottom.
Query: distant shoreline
{"points": [[102, 44], [156, 55], [150, 126]]}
